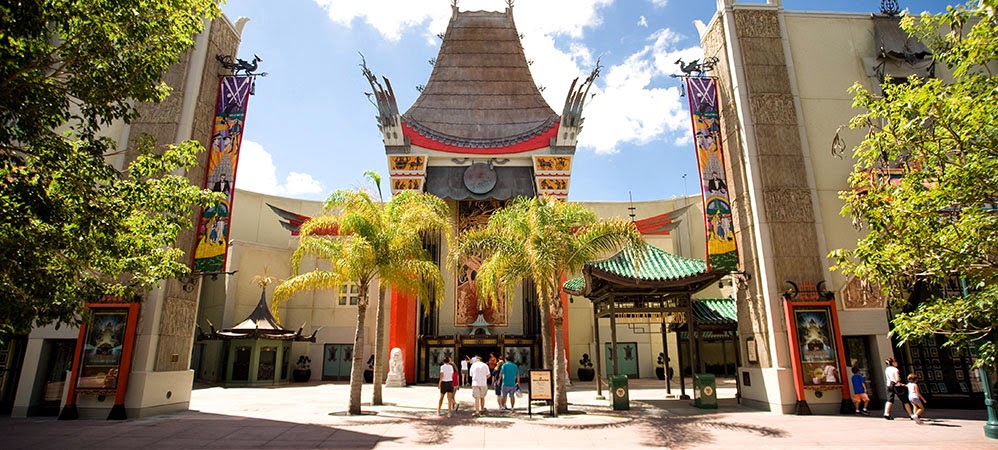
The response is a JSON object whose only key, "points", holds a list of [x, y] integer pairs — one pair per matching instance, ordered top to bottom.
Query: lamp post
{"points": [[990, 405], [990, 428]]}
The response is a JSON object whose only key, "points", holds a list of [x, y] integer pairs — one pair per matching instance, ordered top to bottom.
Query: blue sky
{"points": [[310, 129]]}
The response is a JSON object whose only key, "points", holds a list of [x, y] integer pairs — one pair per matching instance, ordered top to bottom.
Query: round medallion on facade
{"points": [[479, 178]]}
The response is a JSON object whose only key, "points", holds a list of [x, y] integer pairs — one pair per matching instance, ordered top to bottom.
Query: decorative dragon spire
{"points": [[571, 115], [389, 120]]}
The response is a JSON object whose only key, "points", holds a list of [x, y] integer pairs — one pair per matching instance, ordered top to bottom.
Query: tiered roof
{"points": [[481, 97]]}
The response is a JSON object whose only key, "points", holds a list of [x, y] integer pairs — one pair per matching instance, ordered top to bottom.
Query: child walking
{"points": [[859, 396], [915, 396]]}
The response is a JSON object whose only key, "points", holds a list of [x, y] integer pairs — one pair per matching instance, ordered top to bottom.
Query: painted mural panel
{"points": [[467, 302]]}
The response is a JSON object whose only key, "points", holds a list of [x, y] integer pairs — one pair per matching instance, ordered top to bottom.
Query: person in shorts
{"points": [[465, 363], [479, 373], [509, 379], [495, 382], [446, 385], [896, 390], [859, 395], [916, 399]]}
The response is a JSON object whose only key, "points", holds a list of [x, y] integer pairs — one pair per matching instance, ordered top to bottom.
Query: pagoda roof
{"points": [[481, 94], [655, 269], [260, 324]]}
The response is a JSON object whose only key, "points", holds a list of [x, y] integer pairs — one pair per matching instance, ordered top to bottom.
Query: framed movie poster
{"points": [[816, 343], [816, 352], [103, 356], [100, 362]]}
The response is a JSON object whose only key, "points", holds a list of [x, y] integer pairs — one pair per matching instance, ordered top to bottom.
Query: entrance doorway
{"points": [[477, 350], [857, 354], [627, 358], [337, 362]]}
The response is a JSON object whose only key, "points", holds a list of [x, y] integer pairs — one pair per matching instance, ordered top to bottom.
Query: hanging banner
{"points": [[226, 137], [722, 254]]}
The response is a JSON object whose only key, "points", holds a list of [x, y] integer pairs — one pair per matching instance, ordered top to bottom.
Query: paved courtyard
{"points": [[312, 416]]}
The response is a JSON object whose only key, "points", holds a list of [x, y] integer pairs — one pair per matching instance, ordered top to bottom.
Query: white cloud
{"points": [[643, 22], [637, 102], [630, 107], [256, 172]]}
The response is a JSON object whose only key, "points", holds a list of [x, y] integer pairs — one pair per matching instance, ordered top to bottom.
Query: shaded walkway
{"points": [[311, 416]]}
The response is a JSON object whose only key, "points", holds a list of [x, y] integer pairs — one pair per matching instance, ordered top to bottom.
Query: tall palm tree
{"points": [[542, 239], [375, 240]]}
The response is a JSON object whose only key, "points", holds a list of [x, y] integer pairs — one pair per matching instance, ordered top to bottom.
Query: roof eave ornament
{"points": [[571, 115], [389, 120]]}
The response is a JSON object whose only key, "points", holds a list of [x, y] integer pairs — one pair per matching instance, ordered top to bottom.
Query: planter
{"points": [[660, 373], [586, 374], [301, 375], [369, 376]]}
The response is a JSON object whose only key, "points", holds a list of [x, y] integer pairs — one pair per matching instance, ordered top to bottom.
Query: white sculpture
{"points": [[396, 369]]}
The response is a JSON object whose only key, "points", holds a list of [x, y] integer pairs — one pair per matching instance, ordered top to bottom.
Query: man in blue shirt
{"points": [[509, 379]]}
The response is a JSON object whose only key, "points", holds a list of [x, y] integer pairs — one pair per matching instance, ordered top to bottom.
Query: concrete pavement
{"points": [[313, 416]]}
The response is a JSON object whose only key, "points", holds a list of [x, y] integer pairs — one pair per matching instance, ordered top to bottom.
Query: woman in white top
{"points": [[465, 363], [446, 385], [895, 388]]}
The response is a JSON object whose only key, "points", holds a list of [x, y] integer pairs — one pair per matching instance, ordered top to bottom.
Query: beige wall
{"points": [[260, 242]]}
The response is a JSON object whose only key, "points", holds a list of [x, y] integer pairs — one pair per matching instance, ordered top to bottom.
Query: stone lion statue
{"points": [[396, 368]]}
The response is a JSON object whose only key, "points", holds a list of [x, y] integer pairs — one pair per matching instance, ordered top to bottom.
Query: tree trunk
{"points": [[545, 310], [379, 346], [357, 369], [561, 389]]}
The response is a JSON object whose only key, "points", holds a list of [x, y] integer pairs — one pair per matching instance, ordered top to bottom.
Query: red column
{"points": [[563, 298], [402, 334]]}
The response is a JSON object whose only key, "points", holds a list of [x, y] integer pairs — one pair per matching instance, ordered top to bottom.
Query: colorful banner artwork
{"points": [[226, 137], [722, 253], [816, 344], [101, 359]]}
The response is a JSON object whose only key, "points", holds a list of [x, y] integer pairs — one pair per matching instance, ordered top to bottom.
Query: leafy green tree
{"points": [[935, 222], [72, 226], [542, 239], [374, 240]]}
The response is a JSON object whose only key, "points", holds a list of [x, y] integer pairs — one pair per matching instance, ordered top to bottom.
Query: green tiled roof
{"points": [[656, 265], [575, 284], [715, 311]]}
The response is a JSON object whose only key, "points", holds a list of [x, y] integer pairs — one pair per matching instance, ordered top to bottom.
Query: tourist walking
{"points": [[465, 363], [479, 373], [509, 378], [456, 381], [496, 384], [446, 385], [895, 388], [859, 395], [916, 399]]}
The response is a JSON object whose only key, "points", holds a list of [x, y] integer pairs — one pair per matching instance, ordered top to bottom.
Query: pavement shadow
{"points": [[434, 429], [184, 430], [676, 432]]}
